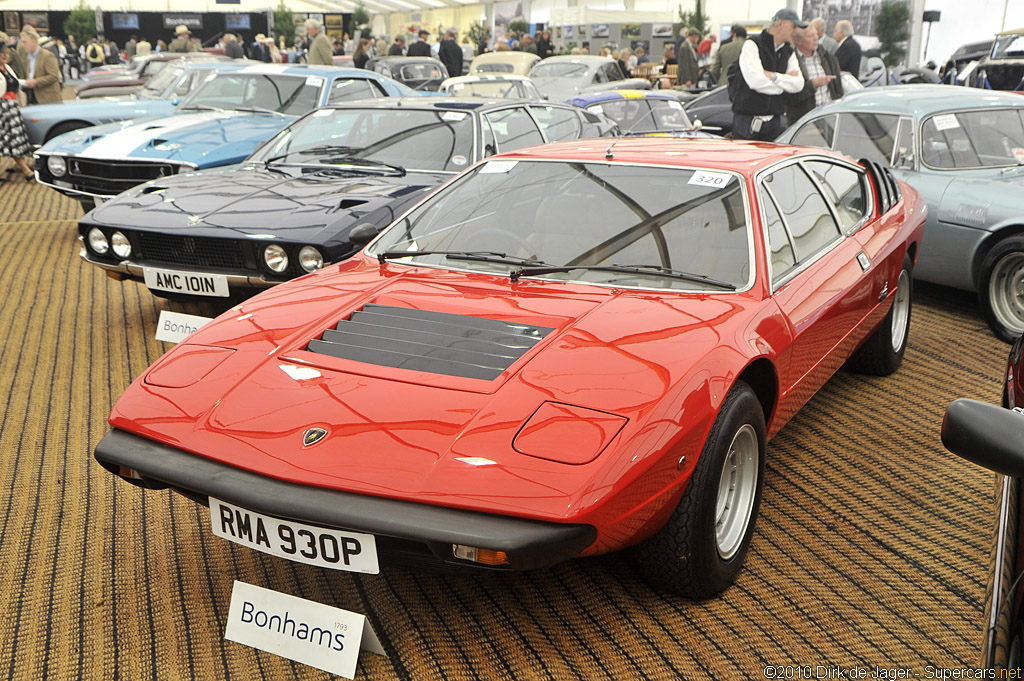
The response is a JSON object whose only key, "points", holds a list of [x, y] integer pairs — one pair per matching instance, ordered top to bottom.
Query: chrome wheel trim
{"points": [[1006, 291], [901, 312], [737, 489]]}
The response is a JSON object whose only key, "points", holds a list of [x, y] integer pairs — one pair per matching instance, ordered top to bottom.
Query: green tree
{"points": [[360, 19], [695, 19], [81, 23], [284, 23], [519, 27], [892, 27], [479, 35]]}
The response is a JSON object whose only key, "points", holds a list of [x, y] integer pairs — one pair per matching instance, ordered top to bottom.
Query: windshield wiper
{"points": [[203, 107], [258, 109], [370, 163], [478, 256], [633, 269]]}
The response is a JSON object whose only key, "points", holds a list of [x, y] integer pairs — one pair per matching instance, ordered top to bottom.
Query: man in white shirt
{"points": [[769, 70]]}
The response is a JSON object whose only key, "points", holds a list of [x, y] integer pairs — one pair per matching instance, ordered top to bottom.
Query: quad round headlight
{"points": [[57, 166], [98, 241], [120, 245], [275, 258], [310, 259]]}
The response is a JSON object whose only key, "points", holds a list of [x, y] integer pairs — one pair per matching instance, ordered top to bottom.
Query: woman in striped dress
{"points": [[13, 137]]}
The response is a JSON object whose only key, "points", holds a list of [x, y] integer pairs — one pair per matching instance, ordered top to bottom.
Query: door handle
{"points": [[885, 291]]}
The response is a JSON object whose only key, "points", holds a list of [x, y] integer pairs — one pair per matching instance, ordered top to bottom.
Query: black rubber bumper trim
{"points": [[529, 544]]}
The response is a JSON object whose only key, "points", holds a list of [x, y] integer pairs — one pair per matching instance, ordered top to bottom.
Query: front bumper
{"points": [[126, 269], [529, 544]]}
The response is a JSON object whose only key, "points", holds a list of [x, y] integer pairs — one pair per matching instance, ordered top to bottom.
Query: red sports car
{"points": [[564, 351]]}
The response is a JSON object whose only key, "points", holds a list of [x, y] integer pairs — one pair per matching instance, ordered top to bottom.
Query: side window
{"points": [[613, 71], [600, 75], [186, 85], [351, 90], [558, 124], [514, 129], [819, 133], [867, 135], [903, 157], [845, 188], [810, 221], [782, 258]]}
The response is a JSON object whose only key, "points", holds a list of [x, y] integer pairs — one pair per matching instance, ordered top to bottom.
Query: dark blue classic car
{"points": [[220, 123], [312, 195]]}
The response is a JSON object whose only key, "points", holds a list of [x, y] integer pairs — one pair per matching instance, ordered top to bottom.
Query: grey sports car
{"points": [[963, 150]]}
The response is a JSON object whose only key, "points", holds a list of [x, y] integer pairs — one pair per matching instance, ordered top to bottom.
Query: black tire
{"points": [[66, 126], [1001, 288], [882, 353], [685, 556]]}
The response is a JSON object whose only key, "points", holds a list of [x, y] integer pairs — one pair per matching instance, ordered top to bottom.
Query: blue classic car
{"points": [[158, 97], [220, 123], [963, 150], [303, 199]]}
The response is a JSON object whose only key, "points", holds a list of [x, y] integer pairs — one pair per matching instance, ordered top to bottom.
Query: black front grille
{"points": [[113, 177], [191, 251], [435, 342]]}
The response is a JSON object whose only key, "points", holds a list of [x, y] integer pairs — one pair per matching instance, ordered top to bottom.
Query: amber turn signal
{"points": [[482, 556]]}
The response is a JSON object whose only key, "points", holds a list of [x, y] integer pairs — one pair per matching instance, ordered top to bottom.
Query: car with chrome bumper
{"points": [[221, 123], [295, 205], [564, 351]]}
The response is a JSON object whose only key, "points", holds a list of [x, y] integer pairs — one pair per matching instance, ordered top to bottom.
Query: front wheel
{"points": [[1001, 288], [882, 353], [700, 550]]}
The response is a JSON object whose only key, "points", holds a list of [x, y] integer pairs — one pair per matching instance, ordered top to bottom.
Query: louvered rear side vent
{"points": [[435, 342]]}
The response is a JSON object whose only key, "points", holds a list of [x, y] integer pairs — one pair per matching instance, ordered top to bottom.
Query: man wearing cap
{"points": [[182, 42], [421, 48], [320, 51], [769, 69], [42, 82]]}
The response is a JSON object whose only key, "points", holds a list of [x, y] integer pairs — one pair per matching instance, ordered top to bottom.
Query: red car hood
{"points": [[603, 385]]}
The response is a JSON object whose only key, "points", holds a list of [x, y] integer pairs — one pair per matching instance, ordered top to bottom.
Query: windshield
{"points": [[1008, 47], [494, 67], [558, 70], [166, 79], [492, 89], [287, 94], [644, 115], [974, 139], [420, 140], [585, 214]]}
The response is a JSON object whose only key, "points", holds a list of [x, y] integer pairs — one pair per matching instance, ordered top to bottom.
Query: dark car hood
{"points": [[284, 203]]}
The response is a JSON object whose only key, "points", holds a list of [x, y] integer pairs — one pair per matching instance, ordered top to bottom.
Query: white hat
{"points": [[181, 28], [260, 38]]}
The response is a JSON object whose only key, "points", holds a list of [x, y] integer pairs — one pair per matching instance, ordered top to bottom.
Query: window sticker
{"points": [[316, 81], [453, 116], [946, 122], [459, 160], [498, 166], [703, 178]]}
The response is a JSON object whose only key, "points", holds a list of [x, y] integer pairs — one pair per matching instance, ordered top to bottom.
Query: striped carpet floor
{"points": [[872, 547]]}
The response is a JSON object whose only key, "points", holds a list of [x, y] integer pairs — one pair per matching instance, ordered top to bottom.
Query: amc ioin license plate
{"points": [[189, 283], [318, 546]]}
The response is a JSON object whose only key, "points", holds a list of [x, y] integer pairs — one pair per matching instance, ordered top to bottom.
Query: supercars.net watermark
{"points": [[875, 672]]}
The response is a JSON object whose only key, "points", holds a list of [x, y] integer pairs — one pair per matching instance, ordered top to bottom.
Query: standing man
{"points": [[826, 41], [181, 42], [527, 44], [544, 46], [130, 47], [143, 48], [232, 48], [397, 48], [420, 48], [259, 50], [320, 51], [848, 52], [729, 53], [94, 54], [450, 54], [767, 69], [820, 71], [689, 72], [42, 82]]}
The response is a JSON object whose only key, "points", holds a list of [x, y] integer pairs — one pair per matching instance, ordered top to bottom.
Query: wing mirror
{"points": [[175, 101], [362, 234], [985, 434]]}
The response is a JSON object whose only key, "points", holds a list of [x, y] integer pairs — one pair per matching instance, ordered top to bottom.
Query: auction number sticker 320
{"points": [[703, 178], [351, 551]]}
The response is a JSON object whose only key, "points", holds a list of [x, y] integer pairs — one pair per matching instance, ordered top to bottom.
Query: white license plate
{"points": [[189, 283], [351, 551]]}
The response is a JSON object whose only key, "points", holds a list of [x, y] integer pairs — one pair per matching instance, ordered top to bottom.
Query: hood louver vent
{"points": [[435, 342]]}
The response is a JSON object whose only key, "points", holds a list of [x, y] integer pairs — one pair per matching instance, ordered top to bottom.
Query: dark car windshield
{"points": [[559, 70], [283, 93], [413, 139], [974, 139], [557, 214]]}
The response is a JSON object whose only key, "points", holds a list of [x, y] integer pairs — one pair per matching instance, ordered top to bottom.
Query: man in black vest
{"points": [[769, 70]]}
